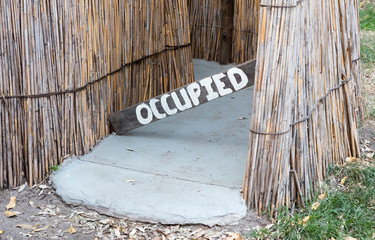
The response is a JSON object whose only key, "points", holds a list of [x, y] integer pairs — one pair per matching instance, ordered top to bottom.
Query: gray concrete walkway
{"points": [[187, 168]]}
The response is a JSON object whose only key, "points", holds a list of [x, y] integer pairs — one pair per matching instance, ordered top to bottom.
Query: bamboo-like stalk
{"points": [[53, 46], [305, 50]]}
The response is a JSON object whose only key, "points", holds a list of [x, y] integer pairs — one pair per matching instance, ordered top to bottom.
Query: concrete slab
{"points": [[187, 168]]}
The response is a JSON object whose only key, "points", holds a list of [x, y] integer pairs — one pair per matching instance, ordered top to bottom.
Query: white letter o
{"points": [[140, 118]]}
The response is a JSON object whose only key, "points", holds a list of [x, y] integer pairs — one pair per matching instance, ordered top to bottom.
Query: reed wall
{"points": [[207, 28], [66, 65], [306, 93]]}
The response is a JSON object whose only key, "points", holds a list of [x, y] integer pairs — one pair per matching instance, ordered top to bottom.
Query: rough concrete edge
{"points": [[230, 219]]}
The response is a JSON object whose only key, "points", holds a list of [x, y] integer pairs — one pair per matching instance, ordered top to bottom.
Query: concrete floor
{"points": [[187, 168]]}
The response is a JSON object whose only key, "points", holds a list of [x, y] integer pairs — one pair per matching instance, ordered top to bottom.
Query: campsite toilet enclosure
{"points": [[65, 67]]}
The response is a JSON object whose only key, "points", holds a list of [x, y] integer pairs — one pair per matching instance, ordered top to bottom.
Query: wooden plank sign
{"points": [[184, 98]]}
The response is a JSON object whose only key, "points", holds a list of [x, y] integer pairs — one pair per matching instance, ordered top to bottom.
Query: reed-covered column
{"points": [[305, 99], [268, 167]]}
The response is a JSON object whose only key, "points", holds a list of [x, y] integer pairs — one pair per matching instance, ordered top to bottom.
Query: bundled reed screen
{"points": [[206, 21], [245, 32], [66, 65], [305, 99]]}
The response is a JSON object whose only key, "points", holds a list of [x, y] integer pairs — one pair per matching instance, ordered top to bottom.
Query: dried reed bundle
{"points": [[205, 23], [207, 27], [245, 32], [66, 65], [306, 85]]}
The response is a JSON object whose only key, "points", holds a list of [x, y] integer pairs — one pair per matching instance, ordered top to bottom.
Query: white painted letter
{"points": [[206, 82], [220, 85], [237, 86], [194, 91], [177, 101], [164, 104], [155, 110], [138, 112]]}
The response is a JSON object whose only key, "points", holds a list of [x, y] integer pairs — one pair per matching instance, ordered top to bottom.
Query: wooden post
{"points": [[226, 37]]}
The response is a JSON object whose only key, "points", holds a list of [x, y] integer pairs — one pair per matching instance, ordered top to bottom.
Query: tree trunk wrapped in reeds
{"points": [[208, 26], [66, 65], [305, 99]]}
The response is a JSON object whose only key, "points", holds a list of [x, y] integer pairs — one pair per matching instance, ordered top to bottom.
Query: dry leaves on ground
{"points": [[352, 160], [342, 182], [322, 196], [12, 203], [315, 205], [10, 214], [305, 220], [49, 221], [71, 230], [350, 238]]}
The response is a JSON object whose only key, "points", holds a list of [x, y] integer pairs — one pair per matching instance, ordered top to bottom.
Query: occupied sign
{"points": [[184, 98]]}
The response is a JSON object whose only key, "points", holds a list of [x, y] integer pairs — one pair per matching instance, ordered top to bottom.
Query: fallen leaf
{"points": [[370, 155], [352, 160], [340, 165], [343, 180], [43, 186], [22, 187], [322, 196], [12, 203], [315, 205], [47, 211], [10, 214], [104, 221], [304, 221], [26, 226], [269, 226], [42, 229], [71, 230], [117, 232], [132, 232], [26, 234], [196, 234], [235, 236], [350, 238]]}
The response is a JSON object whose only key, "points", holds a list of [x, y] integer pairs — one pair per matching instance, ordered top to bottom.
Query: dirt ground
{"points": [[41, 214]]}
